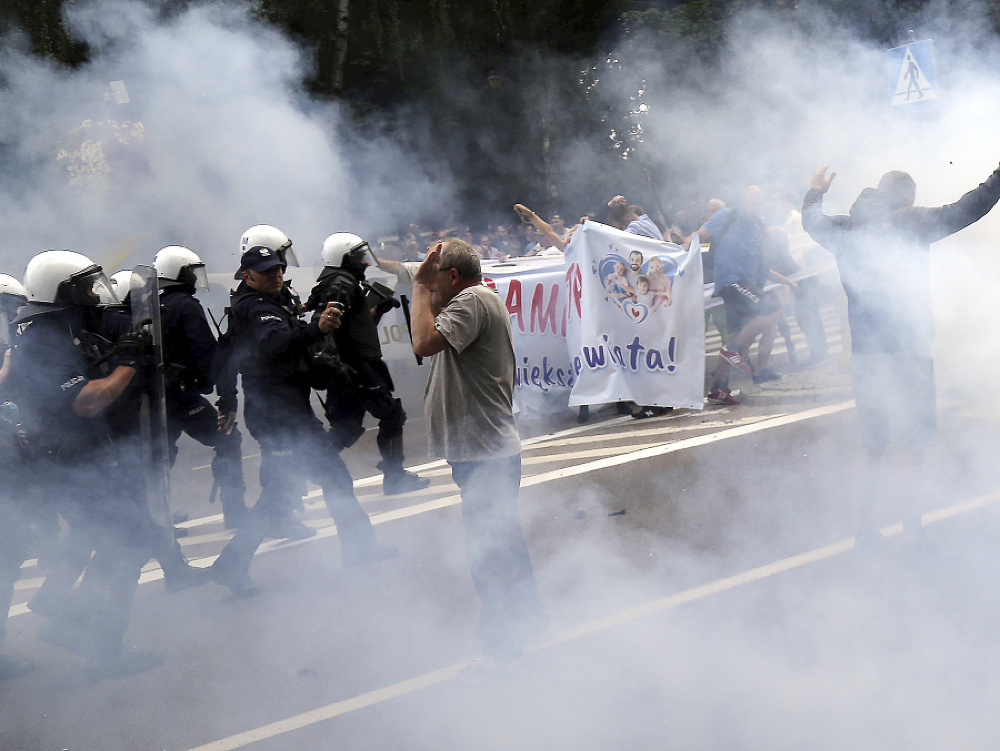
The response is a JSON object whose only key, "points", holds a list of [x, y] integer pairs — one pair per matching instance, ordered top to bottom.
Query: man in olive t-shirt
{"points": [[465, 328]]}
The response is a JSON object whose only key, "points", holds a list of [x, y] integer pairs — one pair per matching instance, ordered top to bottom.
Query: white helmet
{"points": [[272, 238], [346, 250], [175, 263], [62, 277], [121, 284], [12, 295]]}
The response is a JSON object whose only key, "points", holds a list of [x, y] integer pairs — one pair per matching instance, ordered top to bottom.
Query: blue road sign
{"points": [[911, 75]]}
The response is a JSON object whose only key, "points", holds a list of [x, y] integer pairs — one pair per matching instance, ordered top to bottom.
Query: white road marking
{"points": [[630, 455], [588, 628]]}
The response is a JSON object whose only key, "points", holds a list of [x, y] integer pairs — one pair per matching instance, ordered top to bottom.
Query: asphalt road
{"points": [[699, 570]]}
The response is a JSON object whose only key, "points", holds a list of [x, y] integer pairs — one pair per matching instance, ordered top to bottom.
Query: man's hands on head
{"points": [[820, 181], [430, 265]]}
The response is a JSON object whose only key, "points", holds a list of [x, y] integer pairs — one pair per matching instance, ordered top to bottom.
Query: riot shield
{"points": [[145, 301]]}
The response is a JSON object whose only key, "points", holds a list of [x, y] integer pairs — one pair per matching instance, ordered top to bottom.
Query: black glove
{"points": [[135, 350], [226, 404]]}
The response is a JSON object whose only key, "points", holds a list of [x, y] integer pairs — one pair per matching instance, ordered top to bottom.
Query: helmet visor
{"points": [[287, 255], [364, 255], [199, 275], [91, 287]]}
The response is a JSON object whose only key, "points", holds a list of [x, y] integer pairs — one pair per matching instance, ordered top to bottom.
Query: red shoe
{"points": [[735, 359], [721, 396]]}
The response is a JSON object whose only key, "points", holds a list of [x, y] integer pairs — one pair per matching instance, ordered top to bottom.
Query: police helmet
{"points": [[271, 238], [348, 251], [175, 263], [64, 278], [121, 283], [12, 295]]}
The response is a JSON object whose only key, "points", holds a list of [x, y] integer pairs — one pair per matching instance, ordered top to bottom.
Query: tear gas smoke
{"points": [[836, 658]]}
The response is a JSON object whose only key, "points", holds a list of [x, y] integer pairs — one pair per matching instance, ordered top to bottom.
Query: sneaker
{"points": [[735, 359], [765, 376], [722, 396], [646, 412], [403, 482], [291, 528], [123, 663], [12, 667], [484, 667]]}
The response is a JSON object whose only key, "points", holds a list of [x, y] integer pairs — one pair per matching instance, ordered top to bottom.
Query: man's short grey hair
{"points": [[459, 255]]}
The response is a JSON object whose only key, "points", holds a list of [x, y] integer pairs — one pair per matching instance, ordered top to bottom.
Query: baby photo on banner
{"points": [[640, 332]]}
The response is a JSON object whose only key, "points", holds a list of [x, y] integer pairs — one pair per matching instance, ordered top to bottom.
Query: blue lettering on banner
{"points": [[632, 357], [543, 377]]}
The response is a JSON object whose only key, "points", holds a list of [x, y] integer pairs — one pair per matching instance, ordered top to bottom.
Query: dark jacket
{"points": [[883, 253], [357, 338], [188, 344], [270, 344], [56, 357]]}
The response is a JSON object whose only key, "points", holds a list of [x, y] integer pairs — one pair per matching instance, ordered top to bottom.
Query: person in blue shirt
{"points": [[739, 280]]}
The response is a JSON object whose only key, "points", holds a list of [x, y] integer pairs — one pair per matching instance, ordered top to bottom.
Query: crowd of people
{"points": [[751, 251], [85, 365]]}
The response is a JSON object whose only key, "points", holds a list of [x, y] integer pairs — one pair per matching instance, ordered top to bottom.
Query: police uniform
{"points": [[270, 345], [189, 351], [369, 386], [123, 422], [76, 469], [15, 525]]}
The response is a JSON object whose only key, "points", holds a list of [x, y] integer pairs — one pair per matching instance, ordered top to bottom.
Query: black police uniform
{"points": [[270, 345], [189, 352], [369, 386], [123, 419], [76, 472], [15, 522]]}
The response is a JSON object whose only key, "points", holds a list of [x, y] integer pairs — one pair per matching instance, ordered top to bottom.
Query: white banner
{"points": [[536, 293], [639, 334]]}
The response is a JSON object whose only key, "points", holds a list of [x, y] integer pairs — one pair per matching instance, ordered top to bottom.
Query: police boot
{"points": [[395, 479], [233, 509], [178, 574]]}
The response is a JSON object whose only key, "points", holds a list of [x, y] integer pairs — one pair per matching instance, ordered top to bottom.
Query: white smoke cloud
{"points": [[228, 138], [233, 140]]}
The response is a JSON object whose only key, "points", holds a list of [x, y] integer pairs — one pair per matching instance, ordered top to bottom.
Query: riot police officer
{"points": [[270, 347], [189, 350], [64, 381], [367, 385], [15, 526]]}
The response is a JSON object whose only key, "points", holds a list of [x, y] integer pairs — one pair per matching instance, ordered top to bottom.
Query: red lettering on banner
{"points": [[574, 279], [489, 282], [515, 304], [543, 317]]}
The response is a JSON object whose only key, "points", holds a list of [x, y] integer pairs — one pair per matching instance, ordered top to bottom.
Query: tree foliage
{"points": [[502, 92]]}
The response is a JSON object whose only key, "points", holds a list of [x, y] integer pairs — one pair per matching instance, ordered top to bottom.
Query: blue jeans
{"points": [[498, 553]]}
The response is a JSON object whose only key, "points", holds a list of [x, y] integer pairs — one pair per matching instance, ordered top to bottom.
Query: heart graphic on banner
{"points": [[635, 311]]}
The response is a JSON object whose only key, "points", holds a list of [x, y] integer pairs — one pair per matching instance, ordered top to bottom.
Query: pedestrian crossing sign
{"points": [[911, 75]]}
